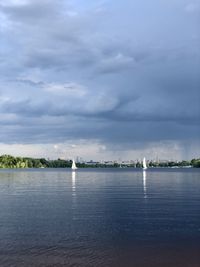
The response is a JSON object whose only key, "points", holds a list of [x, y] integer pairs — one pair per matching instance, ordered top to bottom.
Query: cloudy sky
{"points": [[101, 79]]}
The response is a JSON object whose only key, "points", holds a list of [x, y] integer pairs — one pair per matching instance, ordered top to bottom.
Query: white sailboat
{"points": [[74, 165], [144, 165]]}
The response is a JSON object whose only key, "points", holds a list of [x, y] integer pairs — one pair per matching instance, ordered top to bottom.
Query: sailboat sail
{"points": [[144, 164], [74, 165]]}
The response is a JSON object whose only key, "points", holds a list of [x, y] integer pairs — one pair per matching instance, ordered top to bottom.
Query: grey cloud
{"points": [[31, 11], [114, 64], [72, 72], [127, 134]]}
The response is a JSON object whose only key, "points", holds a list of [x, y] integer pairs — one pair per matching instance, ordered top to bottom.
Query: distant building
{"points": [[91, 162]]}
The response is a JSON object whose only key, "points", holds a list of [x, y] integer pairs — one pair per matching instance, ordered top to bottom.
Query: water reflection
{"points": [[73, 183], [144, 184], [100, 218]]}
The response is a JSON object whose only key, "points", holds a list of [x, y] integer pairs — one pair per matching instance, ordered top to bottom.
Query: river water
{"points": [[100, 218]]}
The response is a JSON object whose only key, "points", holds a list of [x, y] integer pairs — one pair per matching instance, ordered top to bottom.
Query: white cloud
{"points": [[15, 2], [192, 7], [115, 63], [66, 89], [95, 150]]}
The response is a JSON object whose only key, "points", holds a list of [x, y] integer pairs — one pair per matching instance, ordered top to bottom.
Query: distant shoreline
{"points": [[11, 162]]}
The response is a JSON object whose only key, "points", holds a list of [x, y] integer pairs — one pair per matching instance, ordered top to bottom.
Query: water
{"points": [[100, 218]]}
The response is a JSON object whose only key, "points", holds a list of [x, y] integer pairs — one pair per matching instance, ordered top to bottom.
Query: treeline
{"points": [[7, 161], [10, 162], [184, 163], [167, 164], [170, 164]]}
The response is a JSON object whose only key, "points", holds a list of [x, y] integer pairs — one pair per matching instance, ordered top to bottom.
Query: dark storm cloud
{"points": [[119, 74]]}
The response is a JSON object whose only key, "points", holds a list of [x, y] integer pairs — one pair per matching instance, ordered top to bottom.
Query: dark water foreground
{"points": [[105, 218]]}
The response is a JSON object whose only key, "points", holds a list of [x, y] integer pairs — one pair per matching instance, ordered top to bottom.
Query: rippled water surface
{"points": [[105, 218]]}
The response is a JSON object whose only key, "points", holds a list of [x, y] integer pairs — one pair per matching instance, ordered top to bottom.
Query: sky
{"points": [[100, 79]]}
